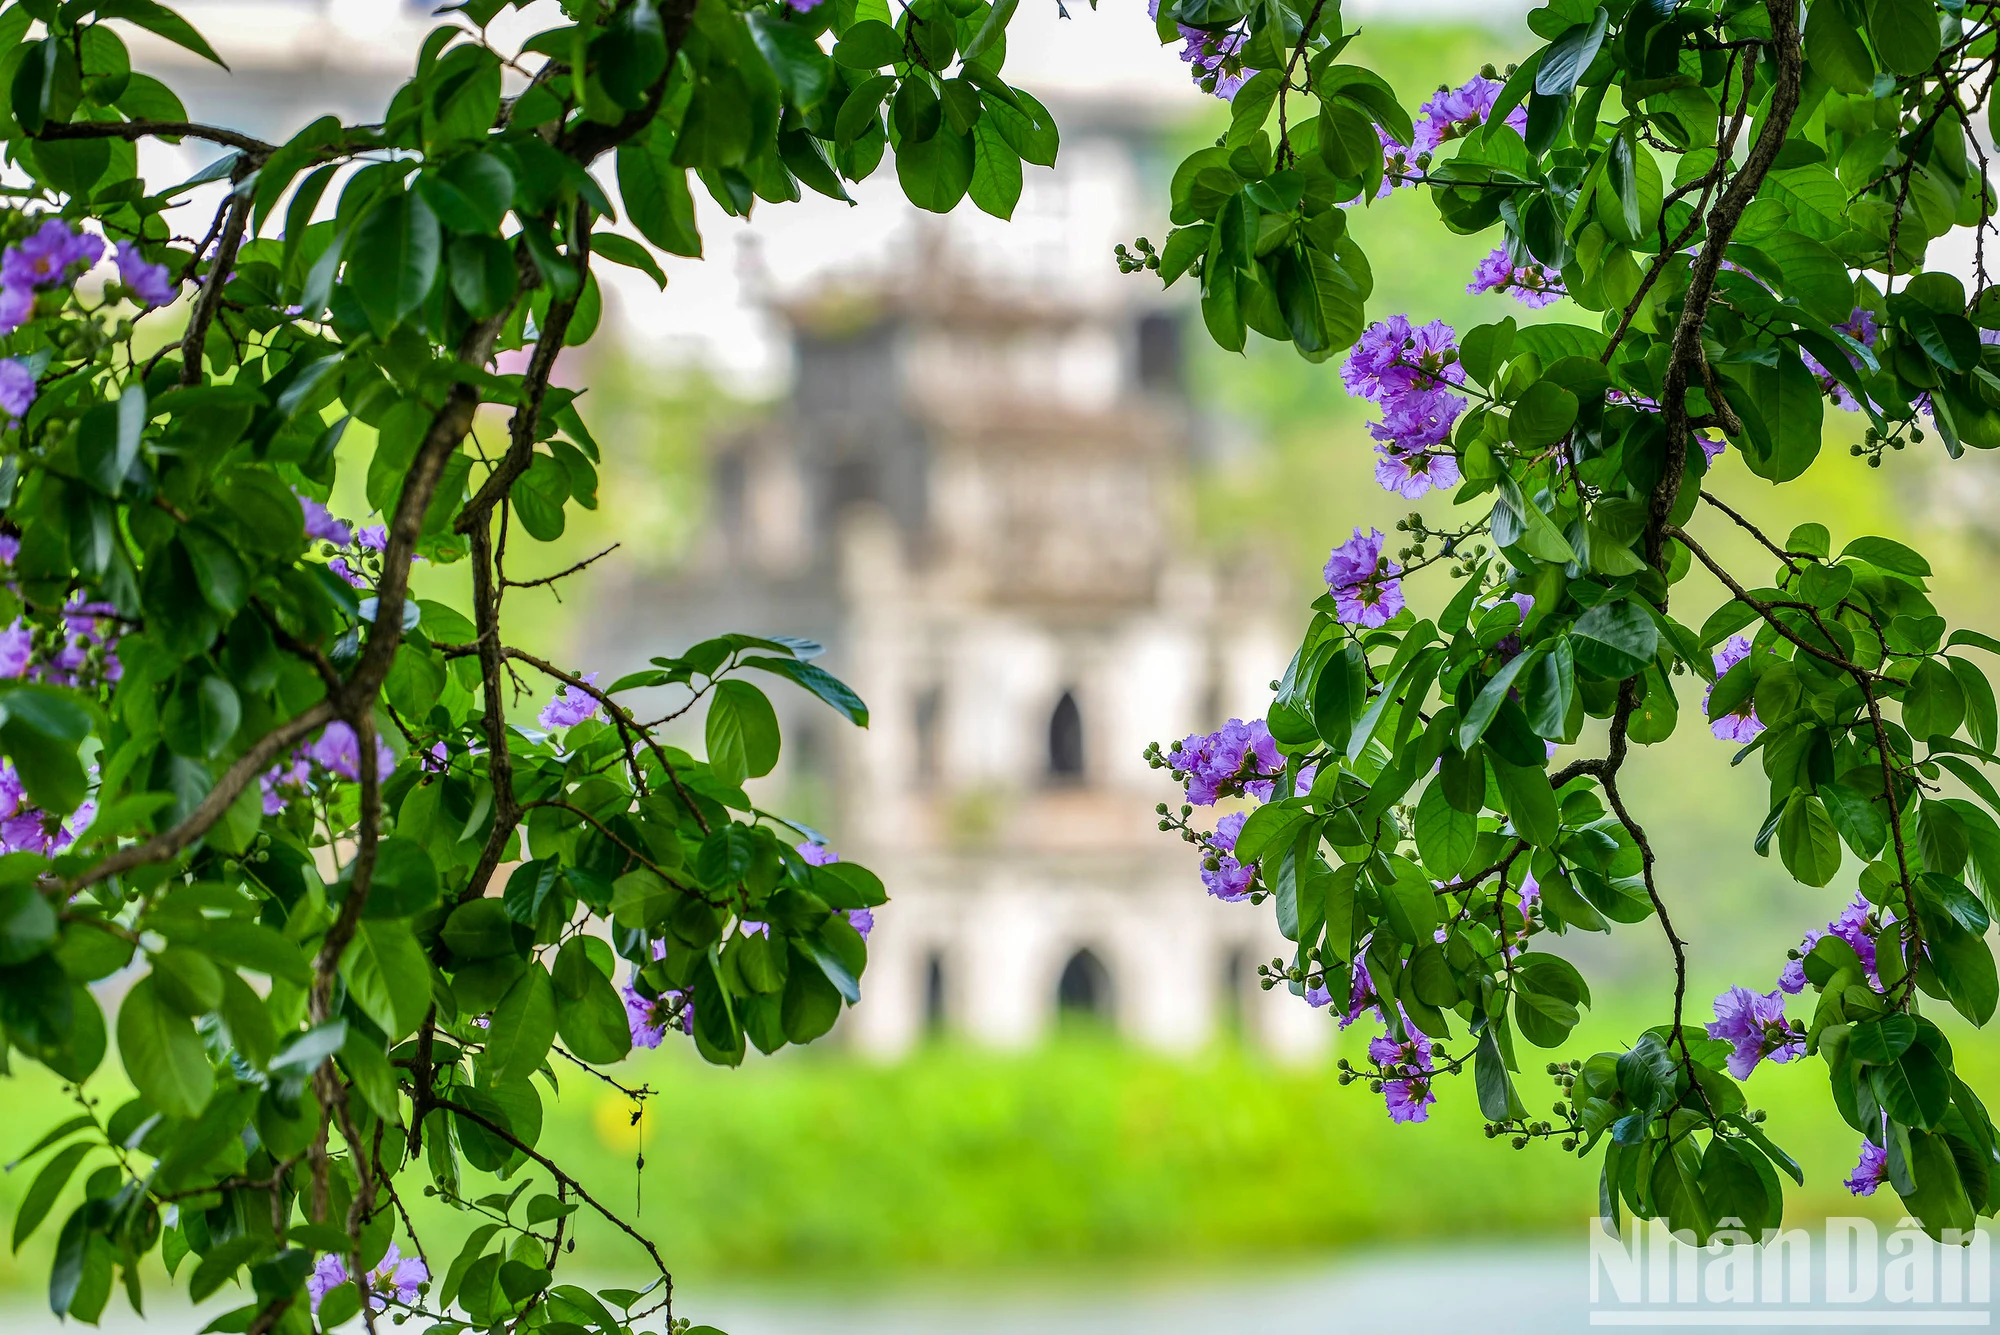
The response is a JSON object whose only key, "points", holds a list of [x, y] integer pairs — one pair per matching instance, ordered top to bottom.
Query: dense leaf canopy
{"points": [[1736, 200]]}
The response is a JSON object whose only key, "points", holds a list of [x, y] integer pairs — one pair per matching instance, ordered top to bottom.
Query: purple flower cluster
{"points": [[1212, 59], [1450, 113], [54, 255], [149, 284], [1532, 285], [1863, 328], [1407, 372], [17, 388], [321, 526], [1363, 582], [88, 627], [570, 707], [1741, 725], [336, 753], [1235, 759], [29, 829], [1231, 880], [1852, 927], [651, 1017], [1755, 1023], [1406, 1066], [1869, 1173], [397, 1274]]}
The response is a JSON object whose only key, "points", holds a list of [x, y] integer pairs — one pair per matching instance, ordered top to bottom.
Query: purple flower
{"points": [[803, 6], [1212, 58], [1452, 112], [47, 258], [148, 283], [1532, 285], [17, 307], [1860, 326], [1392, 359], [17, 388], [1711, 446], [1411, 475], [322, 526], [375, 537], [338, 565], [1362, 581], [16, 642], [570, 707], [1741, 725], [338, 752], [1236, 758], [283, 782], [1304, 783], [816, 855], [1231, 880], [862, 921], [1360, 988], [1319, 996], [650, 1017], [1755, 1023], [1406, 1067], [1868, 1174], [328, 1273], [396, 1274]]}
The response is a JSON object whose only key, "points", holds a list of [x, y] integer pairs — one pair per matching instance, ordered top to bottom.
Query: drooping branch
{"points": [[132, 131], [210, 298]]}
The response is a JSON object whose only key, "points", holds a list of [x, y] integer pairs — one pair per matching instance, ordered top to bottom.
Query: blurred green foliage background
{"points": [[822, 1168]]}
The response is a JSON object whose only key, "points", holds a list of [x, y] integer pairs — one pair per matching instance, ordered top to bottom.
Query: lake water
{"points": [[1543, 1290]]}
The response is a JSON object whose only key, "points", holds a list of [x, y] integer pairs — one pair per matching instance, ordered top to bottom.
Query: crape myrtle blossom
{"points": [[1212, 60], [1449, 114], [150, 284], [1531, 284], [1863, 328], [1407, 372], [17, 388], [321, 526], [1363, 582], [570, 707], [1741, 724], [338, 752], [1237, 758], [29, 829], [1229, 880], [1852, 927], [651, 1017], [1756, 1025], [1407, 1064], [1869, 1173], [397, 1274]]}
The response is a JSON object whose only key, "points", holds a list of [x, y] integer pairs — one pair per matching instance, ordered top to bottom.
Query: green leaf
{"points": [[161, 22], [1906, 34], [868, 45], [1835, 52], [1566, 58], [802, 68], [996, 171], [936, 172], [656, 195], [624, 250], [393, 259], [482, 274], [539, 496], [1894, 557], [1615, 639], [819, 681], [1491, 696], [1934, 705], [742, 732], [1531, 803], [1857, 818], [1446, 836], [1807, 840], [388, 976], [590, 1016], [524, 1027], [162, 1053], [1497, 1099], [48, 1185]]}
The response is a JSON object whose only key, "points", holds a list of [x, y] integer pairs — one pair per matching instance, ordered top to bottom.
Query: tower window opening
{"points": [[1066, 741]]}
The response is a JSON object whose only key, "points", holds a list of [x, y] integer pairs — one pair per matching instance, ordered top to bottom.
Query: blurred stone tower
{"points": [[974, 495]]}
